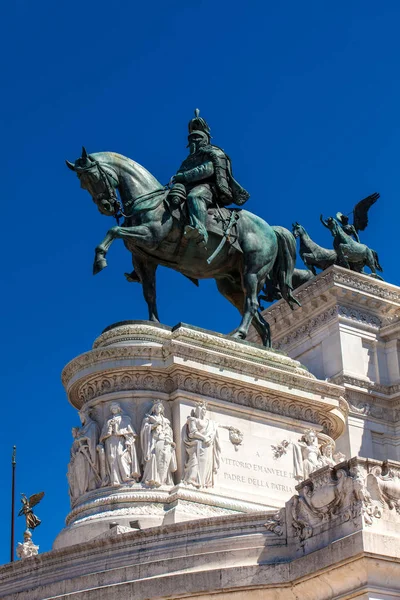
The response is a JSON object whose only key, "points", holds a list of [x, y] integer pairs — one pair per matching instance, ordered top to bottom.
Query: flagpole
{"points": [[13, 463]]}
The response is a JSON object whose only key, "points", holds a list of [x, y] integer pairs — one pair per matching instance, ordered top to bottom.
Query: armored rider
{"points": [[205, 178]]}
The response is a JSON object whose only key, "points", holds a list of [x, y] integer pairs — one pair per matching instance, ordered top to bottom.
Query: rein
{"points": [[113, 196], [142, 197]]}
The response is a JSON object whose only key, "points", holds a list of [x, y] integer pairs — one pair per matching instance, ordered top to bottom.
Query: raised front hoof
{"points": [[99, 265]]}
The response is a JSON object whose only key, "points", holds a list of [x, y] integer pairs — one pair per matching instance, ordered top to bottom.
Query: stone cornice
{"points": [[338, 294], [378, 302], [136, 341], [195, 361], [390, 391], [286, 395]]}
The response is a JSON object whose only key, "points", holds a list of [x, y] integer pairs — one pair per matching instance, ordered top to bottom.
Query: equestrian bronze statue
{"points": [[189, 228], [347, 251]]}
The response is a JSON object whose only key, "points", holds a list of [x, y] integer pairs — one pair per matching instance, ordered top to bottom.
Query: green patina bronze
{"points": [[189, 227], [347, 251], [351, 254]]}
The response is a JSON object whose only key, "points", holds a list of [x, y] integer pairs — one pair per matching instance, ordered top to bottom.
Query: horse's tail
{"points": [[376, 259], [284, 264]]}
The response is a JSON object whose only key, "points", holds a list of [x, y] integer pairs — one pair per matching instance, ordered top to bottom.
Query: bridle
{"points": [[110, 194]]}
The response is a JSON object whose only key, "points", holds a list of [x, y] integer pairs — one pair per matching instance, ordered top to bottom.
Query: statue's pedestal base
{"points": [[258, 398], [337, 538]]}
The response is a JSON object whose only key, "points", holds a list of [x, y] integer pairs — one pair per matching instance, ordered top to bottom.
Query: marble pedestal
{"points": [[347, 331], [256, 397], [337, 538]]}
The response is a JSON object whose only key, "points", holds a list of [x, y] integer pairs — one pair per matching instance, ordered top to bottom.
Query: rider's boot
{"points": [[196, 230], [132, 277]]}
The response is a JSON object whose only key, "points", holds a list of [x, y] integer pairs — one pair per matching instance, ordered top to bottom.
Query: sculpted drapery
{"points": [[118, 437], [158, 448], [202, 448], [307, 455], [83, 474]]}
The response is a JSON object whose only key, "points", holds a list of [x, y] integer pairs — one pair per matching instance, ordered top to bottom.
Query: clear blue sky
{"points": [[304, 96]]}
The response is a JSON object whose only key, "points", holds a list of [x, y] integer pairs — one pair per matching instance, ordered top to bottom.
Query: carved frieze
{"points": [[205, 385], [309, 453]]}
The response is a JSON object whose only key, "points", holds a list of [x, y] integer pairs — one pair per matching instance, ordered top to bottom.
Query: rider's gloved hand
{"points": [[179, 178]]}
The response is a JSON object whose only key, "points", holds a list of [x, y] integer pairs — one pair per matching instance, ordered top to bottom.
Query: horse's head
{"points": [[100, 180], [297, 229]]}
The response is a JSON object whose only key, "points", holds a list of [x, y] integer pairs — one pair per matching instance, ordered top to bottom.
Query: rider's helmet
{"points": [[198, 126]]}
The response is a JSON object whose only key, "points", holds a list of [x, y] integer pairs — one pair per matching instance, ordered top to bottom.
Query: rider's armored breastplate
{"points": [[193, 160], [220, 163]]}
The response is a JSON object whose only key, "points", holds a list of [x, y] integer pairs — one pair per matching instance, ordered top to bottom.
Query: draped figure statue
{"points": [[118, 440], [158, 448], [202, 448], [307, 455], [83, 473]]}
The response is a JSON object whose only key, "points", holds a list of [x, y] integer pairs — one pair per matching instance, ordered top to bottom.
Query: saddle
{"points": [[220, 221]]}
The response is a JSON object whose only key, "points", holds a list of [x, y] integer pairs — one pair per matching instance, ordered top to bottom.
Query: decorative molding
{"points": [[364, 283], [371, 303], [360, 316], [313, 324], [307, 329], [132, 332], [258, 362], [206, 385], [379, 388], [135, 499]]}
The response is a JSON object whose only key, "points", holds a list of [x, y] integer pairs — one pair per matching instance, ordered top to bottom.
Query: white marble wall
{"points": [[347, 331], [255, 400]]}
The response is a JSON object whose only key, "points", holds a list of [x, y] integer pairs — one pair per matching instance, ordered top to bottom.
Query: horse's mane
{"points": [[141, 175]]}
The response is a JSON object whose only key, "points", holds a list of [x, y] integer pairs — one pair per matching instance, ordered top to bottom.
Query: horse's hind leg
{"points": [[370, 262], [146, 271], [234, 293], [251, 304]]}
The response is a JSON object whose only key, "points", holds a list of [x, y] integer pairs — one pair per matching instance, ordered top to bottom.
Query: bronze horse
{"points": [[153, 232]]}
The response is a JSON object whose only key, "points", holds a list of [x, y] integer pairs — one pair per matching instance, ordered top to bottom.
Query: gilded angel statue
{"points": [[32, 520]]}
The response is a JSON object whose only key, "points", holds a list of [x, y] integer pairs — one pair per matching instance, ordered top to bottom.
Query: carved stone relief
{"points": [[158, 448], [117, 449], [203, 449], [309, 454], [83, 470], [385, 487], [332, 494], [27, 548]]}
